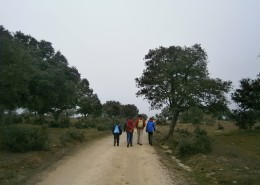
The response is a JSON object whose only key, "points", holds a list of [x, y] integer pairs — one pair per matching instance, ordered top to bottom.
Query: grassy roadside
{"points": [[234, 159], [18, 168], [177, 173]]}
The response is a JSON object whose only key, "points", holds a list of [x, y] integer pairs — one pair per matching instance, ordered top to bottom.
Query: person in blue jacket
{"points": [[150, 128], [116, 131]]}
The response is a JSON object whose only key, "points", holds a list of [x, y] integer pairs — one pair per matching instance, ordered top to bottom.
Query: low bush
{"points": [[10, 119], [40, 121], [64, 122], [53, 124], [81, 125], [102, 128], [72, 135], [23, 139], [193, 143]]}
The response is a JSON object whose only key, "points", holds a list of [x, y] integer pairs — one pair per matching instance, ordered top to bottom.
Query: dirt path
{"points": [[103, 164]]}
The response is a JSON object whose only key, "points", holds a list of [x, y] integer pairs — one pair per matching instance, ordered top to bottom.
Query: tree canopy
{"points": [[36, 77], [177, 77], [247, 97], [88, 103], [116, 109]]}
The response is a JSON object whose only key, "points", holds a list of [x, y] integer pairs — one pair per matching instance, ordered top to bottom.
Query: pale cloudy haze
{"points": [[107, 40]]}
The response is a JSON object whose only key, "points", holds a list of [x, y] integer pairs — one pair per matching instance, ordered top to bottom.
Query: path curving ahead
{"points": [[101, 163]]}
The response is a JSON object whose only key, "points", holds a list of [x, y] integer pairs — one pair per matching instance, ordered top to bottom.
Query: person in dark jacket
{"points": [[129, 128], [150, 128], [117, 131]]}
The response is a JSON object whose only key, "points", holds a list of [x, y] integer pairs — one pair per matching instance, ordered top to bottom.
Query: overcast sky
{"points": [[106, 40]]}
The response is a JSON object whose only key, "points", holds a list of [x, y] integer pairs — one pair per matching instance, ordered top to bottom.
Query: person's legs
{"points": [[138, 136], [141, 137], [128, 138], [131, 138], [150, 138], [115, 139], [118, 139]]}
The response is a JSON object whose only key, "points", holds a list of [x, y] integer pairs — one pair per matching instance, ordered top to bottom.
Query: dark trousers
{"points": [[129, 137], [150, 138], [116, 139]]}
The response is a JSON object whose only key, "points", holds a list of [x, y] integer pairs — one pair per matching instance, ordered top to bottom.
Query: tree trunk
{"points": [[173, 124]]}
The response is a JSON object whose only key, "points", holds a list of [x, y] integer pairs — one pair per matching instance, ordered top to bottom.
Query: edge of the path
{"points": [[54, 157], [178, 174]]}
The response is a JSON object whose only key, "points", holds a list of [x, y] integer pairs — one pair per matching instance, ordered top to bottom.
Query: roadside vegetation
{"points": [[27, 149], [232, 158]]}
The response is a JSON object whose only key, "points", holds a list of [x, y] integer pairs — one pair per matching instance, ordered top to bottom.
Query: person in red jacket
{"points": [[140, 124], [129, 128]]}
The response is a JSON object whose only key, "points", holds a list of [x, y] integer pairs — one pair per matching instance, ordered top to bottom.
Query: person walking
{"points": [[140, 124], [129, 128], [150, 128], [117, 131]]}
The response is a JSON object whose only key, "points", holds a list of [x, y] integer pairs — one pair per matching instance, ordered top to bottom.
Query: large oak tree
{"points": [[177, 77]]}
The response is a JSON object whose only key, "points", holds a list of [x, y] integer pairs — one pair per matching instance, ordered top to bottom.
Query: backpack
{"points": [[140, 123], [116, 129]]}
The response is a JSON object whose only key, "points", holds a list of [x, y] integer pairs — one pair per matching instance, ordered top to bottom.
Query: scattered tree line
{"points": [[35, 77], [39, 79]]}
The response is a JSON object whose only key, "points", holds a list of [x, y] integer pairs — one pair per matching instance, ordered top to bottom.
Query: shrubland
{"points": [[32, 144], [215, 156]]}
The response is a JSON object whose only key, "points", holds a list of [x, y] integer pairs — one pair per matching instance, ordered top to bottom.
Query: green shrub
{"points": [[10, 119], [27, 119], [244, 119], [40, 121], [64, 122], [53, 124], [81, 125], [92, 125], [101, 128], [72, 135], [23, 139], [202, 141], [193, 143], [186, 147]]}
